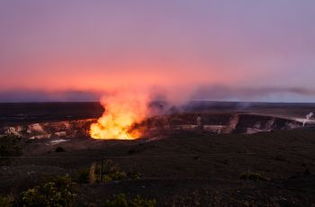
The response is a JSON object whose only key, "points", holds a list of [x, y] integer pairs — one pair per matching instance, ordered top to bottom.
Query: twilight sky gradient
{"points": [[218, 50]]}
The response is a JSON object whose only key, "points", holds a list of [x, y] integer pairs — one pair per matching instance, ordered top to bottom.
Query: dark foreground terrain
{"points": [[193, 168]]}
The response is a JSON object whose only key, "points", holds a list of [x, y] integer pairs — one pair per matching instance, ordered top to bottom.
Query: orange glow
{"points": [[84, 76], [121, 113]]}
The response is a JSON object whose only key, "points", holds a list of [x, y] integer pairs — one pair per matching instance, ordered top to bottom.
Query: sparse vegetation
{"points": [[9, 146], [109, 171], [104, 172], [134, 175], [82, 176], [254, 176], [57, 193], [121, 200], [6, 201]]}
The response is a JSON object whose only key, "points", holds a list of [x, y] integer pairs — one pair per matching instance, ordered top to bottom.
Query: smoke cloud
{"points": [[267, 94]]}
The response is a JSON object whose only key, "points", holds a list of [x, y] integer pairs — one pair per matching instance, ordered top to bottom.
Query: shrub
{"points": [[9, 146], [105, 172], [110, 172], [134, 175], [82, 176], [253, 176], [57, 193], [121, 200], [6, 201], [138, 201]]}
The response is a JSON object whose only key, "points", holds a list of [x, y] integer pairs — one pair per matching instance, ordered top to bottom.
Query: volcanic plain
{"points": [[176, 167]]}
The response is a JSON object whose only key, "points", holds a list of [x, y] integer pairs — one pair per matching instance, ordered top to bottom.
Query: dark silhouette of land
{"points": [[194, 168]]}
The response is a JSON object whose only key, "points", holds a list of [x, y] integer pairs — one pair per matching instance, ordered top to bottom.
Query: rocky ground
{"points": [[179, 168], [264, 169]]}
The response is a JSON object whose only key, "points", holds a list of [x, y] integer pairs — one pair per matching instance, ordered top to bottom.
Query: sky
{"points": [[75, 50]]}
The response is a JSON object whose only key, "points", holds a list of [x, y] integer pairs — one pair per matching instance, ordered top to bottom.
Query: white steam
{"points": [[308, 117]]}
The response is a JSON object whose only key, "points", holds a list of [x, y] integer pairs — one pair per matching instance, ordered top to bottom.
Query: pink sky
{"points": [[103, 45]]}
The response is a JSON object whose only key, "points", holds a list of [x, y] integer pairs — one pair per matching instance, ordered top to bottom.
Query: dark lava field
{"points": [[173, 168]]}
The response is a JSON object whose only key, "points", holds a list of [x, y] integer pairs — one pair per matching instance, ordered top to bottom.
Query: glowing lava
{"points": [[122, 112]]}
